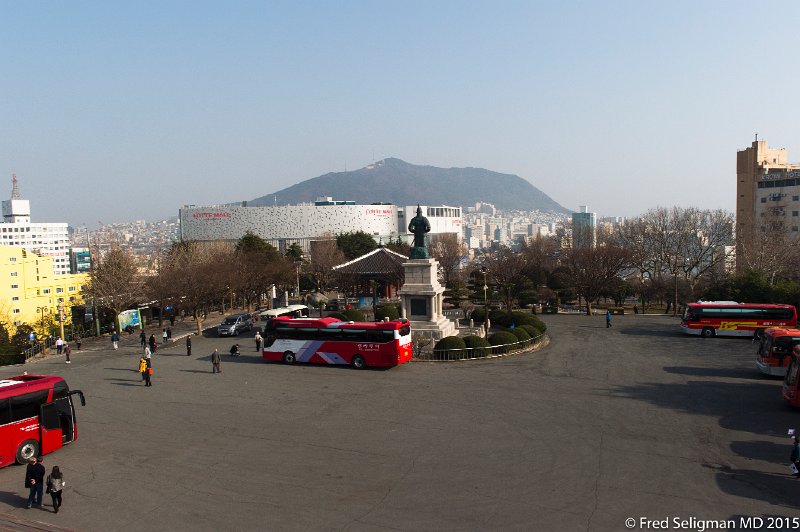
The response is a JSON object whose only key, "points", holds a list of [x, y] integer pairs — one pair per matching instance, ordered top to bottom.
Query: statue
{"points": [[419, 225]]}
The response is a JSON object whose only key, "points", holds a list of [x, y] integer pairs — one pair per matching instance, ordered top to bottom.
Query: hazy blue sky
{"points": [[117, 111]]}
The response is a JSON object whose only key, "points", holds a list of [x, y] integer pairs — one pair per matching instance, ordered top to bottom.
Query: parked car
{"points": [[234, 324]]}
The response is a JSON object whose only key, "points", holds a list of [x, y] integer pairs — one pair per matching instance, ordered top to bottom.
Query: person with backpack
{"points": [[55, 485]]}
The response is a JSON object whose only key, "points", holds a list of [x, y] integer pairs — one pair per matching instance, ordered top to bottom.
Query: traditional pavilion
{"points": [[379, 272]]}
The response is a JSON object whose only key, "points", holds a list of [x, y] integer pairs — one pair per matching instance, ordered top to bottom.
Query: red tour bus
{"points": [[728, 318], [331, 341], [775, 350], [37, 417]]}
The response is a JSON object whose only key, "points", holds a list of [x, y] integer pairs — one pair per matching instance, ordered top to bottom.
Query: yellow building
{"points": [[29, 291]]}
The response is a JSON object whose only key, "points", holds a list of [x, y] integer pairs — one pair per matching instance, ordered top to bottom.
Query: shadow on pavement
{"points": [[643, 331], [194, 371], [735, 373], [763, 450], [768, 487], [15, 499]]}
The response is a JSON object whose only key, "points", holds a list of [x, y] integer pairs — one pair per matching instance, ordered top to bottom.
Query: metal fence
{"points": [[38, 348], [476, 353]]}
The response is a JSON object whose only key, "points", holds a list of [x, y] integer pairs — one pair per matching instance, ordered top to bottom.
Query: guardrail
{"points": [[38, 348], [475, 353]]}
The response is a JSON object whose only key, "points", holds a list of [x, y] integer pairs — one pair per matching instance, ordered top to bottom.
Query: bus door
{"points": [[790, 383], [57, 422]]}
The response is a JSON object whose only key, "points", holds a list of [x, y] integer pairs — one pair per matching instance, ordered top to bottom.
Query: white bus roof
{"points": [[280, 311]]}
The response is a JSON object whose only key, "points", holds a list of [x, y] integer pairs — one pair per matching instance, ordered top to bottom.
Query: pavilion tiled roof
{"points": [[381, 262]]}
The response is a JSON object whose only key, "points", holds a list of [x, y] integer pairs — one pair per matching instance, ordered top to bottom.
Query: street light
{"points": [[485, 302], [43, 311], [61, 317]]}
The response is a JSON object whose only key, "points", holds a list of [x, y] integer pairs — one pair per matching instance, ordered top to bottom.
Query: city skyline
{"points": [[115, 113]]}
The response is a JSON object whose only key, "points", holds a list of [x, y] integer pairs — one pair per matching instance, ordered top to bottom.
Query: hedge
{"points": [[387, 310], [531, 330], [520, 333], [502, 338], [450, 342], [478, 345]]}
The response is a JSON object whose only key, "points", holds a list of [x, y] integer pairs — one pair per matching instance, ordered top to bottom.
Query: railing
{"points": [[38, 348], [474, 353]]}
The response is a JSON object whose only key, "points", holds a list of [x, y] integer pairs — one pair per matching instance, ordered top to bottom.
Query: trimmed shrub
{"points": [[387, 310], [353, 315], [478, 315], [531, 330], [521, 334], [503, 338], [450, 342], [478, 345], [8, 359]]}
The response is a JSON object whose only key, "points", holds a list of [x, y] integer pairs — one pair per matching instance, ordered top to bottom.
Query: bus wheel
{"points": [[707, 332], [289, 358], [358, 362], [27, 450]]}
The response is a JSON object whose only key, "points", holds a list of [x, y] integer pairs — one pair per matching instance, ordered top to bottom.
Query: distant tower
{"points": [[16, 209], [584, 224]]}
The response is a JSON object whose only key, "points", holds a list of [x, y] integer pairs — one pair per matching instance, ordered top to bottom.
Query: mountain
{"points": [[398, 182]]}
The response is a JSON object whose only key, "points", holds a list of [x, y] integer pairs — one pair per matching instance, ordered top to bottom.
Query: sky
{"points": [[121, 111]]}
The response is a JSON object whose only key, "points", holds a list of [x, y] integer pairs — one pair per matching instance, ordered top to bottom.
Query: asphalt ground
{"points": [[637, 421]]}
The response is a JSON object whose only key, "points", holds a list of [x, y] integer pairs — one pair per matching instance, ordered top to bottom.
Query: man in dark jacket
{"points": [[34, 480]]}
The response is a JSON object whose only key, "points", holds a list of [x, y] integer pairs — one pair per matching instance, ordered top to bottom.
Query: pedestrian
{"points": [[636, 309], [608, 318], [169, 334], [164, 337], [143, 338], [115, 339], [259, 339], [78, 341], [152, 342], [59, 345], [189, 345], [235, 350], [147, 351], [67, 352], [216, 362], [143, 366], [148, 372], [795, 456], [34, 480], [55, 485]]}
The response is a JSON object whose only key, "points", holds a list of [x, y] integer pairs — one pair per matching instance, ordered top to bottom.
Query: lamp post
{"points": [[485, 302], [43, 311], [61, 317]]}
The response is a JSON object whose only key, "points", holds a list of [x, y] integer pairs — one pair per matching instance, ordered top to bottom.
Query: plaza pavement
{"points": [[602, 425]]}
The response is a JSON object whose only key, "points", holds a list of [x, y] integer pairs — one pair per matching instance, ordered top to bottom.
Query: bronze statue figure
{"points": [[419, 225]]}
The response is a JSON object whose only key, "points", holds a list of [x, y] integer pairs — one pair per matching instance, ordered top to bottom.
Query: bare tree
{"points": [[449, 250], [324, 256], [506, 269], [592, 270], [115, 281]]}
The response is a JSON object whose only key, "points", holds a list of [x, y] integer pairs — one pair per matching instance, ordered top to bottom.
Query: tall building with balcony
{"points": [[767, 197], [44, 239]]}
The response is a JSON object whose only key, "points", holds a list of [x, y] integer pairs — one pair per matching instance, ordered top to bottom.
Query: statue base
{"points": [[421, 299]]}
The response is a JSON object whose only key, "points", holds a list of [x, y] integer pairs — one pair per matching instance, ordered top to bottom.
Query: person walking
{"points": [[608, 318], [169, 334], [164, 337], [77, 338], [143, 338], [115, 339], [259, 339], [152, 342], [59, 345], [189, 345], [147, 351], [67, 353], [216, 362], [143, 365], [148, 372], [795, 456], [34, 480], [55, 485]]}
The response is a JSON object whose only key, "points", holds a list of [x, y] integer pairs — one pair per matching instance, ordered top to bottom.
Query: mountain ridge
{"points": [[395, 181]]}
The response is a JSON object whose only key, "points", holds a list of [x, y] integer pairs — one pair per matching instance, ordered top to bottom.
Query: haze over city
{"points": [[115, 112]]}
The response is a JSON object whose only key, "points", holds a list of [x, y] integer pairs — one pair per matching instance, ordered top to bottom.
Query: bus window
{"points": [[27, 405], [5, 412]]}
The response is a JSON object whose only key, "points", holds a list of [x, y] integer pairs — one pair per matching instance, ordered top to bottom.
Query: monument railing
{"points": [[477, 353]]}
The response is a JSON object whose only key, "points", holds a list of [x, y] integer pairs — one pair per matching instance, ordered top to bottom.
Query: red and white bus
{"points": [[728, 318], [331, 341], [775, 350], [791, 382], [37, 417]]}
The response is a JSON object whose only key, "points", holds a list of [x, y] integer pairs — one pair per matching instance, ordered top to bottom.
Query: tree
{"points": [[355, 244], [399, 246], [449, 250], [324, 256], [258, 266], [506, 269], [594, 269], [115, 281]]}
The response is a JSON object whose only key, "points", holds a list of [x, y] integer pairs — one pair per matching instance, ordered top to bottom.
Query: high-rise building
{"points": [[767, 195], [584, 225], [44, 239]]}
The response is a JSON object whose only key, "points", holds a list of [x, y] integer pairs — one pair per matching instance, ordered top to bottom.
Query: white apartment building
{"points": [[44, 239]]}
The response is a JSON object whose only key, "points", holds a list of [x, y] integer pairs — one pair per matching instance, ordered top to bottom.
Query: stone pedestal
{"points": [[421, 299]]}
